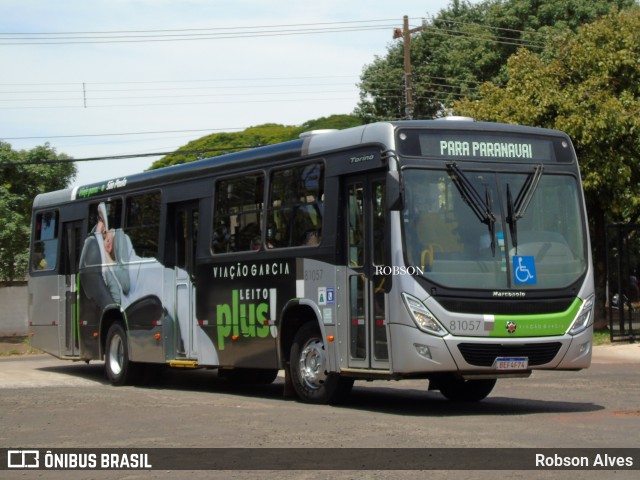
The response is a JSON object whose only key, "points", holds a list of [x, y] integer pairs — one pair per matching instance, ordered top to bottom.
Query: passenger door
{"points": [[181, 246], [71, 250], [367, 301]]}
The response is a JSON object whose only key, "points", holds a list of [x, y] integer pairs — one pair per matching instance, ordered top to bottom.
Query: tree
{"points": [[464, 46], [588, 85], [381, 88], [267, 134], [20, 182]]}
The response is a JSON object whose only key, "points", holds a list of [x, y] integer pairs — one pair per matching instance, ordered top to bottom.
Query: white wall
{"points": [[13, 311]]}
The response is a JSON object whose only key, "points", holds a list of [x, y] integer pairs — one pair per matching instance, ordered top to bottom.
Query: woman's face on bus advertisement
{"points": [[108, 242]]}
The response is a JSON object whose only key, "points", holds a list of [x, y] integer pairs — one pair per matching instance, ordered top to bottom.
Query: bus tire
{"points": [[308, 367], [118, 368], [457, 389]]}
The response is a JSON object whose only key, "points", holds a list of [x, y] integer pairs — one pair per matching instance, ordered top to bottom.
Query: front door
{"points": [[182, 241], [367, 301]]}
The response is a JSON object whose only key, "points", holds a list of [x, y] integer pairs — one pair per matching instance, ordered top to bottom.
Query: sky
{"points": [[120, 77]]}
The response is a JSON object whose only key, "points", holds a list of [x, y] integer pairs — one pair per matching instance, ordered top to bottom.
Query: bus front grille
{"points": [[483, 355]]}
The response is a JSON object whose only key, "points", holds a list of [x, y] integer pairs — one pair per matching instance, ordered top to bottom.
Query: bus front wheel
{"points": [[118, 368], [308, 368], [457, 389]]}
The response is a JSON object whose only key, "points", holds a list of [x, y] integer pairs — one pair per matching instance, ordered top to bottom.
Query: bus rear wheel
{"points": [[118, 368], [308, 368], [457, 389]]}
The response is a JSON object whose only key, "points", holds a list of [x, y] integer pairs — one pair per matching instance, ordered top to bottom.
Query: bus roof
{"points": [[313, 144]]}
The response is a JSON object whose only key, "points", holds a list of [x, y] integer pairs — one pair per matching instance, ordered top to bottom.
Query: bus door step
{"points": [[183, 363]]}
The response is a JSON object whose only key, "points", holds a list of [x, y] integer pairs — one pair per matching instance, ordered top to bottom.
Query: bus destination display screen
{"points": [[483, 146]]}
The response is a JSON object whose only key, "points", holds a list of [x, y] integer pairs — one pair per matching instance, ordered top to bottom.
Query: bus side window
{"points": [[296, 206], [237, 218], [142, 223], [44, 249]]}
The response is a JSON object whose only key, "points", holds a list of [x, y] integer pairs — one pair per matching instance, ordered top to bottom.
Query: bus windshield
{"points": [[479, 229]]}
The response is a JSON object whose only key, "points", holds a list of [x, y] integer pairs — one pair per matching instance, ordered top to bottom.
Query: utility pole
{"points": [[405, 34]]}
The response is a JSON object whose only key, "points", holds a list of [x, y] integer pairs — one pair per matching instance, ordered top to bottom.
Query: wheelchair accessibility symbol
{"points": [[524, 270]]}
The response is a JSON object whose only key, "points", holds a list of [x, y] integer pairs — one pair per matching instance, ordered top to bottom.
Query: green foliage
{"points": [[464, 46], [586, 84], [589, 87], [382, 88], [339, 122], [267, 134], [19, 184]]}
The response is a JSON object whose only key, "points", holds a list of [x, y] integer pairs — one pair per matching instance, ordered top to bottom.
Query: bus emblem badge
{"points": [[511, 327]]}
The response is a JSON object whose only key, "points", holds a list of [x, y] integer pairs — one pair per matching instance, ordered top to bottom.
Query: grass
{"points": [[601, 337], [16, 346]]}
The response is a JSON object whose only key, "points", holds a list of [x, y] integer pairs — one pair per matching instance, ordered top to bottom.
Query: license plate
{"points": [[511, 363]]}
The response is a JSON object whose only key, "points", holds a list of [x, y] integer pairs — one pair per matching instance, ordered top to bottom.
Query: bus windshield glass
{"points": [[480, 229]]}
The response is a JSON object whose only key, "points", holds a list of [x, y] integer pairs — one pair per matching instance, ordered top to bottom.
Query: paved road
{"points": [[47, 403]]}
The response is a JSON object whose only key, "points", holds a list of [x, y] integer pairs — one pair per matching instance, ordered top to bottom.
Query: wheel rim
{"points": [[116, 355], [312, 364]]}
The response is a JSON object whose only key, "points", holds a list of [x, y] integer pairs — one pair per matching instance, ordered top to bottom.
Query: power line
{"points": [[315, 24], [484, 25], [257, 30], [443, 30], [105, 32], [228, 33], [172, 38], [505, 40], [240, 79], [218, 87], [181, 89], [88, 94], [137, 97], [221, 102], [157, 132], [126, 157]]}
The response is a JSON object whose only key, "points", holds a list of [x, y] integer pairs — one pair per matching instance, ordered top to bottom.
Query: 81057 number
{"points": [[465, 326]]}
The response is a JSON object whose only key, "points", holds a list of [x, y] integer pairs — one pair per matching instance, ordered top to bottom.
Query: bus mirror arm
{"points": [[394, 191]]}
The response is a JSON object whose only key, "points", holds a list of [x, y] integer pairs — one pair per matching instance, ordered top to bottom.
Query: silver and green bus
{"points": [[448, 250]]}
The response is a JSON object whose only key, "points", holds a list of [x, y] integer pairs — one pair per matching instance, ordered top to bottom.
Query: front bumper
{"points": [[418, 353]]}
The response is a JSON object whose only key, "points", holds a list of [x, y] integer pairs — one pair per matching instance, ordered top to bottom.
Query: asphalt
{"points": [[610, 353], [617, 353]]}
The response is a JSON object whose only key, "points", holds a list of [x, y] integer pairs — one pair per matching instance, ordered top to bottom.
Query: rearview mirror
{"points": [[394, 191]]}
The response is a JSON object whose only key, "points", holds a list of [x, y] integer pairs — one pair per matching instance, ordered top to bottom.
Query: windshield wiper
{"points": [[479, 206], [515, 211]]}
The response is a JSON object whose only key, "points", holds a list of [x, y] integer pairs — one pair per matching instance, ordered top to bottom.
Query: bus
{"points": [[448, 250]]}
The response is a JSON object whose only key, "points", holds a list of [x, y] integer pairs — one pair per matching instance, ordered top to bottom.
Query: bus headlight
{"points": [[422, 317], [584, 318]]}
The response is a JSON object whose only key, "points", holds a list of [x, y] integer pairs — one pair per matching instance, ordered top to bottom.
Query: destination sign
{"points": [[484, 146], [459, 148]]}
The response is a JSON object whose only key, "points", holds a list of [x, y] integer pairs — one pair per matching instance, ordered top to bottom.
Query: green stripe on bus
{"points": [[510, 326]]}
